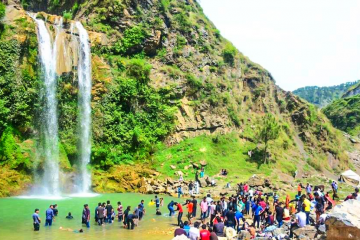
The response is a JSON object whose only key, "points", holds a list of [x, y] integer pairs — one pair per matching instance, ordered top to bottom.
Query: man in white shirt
{"points": [[251, 193], [301, 219], [300, 222], [194, 232]]}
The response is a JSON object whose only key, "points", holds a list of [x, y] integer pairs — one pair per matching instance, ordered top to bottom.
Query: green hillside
{"points": [[322, 96]]}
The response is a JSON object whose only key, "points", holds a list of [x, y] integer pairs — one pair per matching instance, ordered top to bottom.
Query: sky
{"points": [[301, 42]]}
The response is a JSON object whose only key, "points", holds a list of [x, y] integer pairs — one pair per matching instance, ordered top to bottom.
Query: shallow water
{"points": [[16, 221]]}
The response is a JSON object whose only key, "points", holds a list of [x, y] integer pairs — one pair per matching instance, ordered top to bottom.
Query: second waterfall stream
{"points": [[54, 44]]}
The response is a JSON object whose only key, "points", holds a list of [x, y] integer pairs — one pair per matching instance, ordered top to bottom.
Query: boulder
{"points": [[203, 163], [172, 167], [169, 181], [256, 181], [203, 182], [147, 189], [343, 221], [307, 231], [244, 235]]}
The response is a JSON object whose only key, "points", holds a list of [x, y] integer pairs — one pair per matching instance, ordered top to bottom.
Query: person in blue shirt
{"points": [[179, 191], [157, 202], [247, 206], [171, 208], [141, 210], [257, 212], [49, 216], [238, 216], [36, 220], [186, 227]]}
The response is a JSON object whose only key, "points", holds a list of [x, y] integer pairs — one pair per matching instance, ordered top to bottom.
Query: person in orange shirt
{"points": [[299, 189], [287, 201], [190, 207]]}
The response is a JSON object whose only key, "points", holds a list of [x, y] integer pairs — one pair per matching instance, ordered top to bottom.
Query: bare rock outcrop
{"points": [[344, 221]]}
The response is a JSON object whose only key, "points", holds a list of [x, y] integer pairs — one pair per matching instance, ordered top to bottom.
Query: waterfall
{"points": [[84, 101], [49, 115]]}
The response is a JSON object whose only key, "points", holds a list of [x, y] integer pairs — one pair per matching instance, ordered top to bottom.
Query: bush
{"points": [[67, 16], [132, 41], [229, 53], [139, 69]]}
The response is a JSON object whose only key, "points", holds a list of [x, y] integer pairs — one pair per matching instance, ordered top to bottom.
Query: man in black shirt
{"points": [[194, 201], [55, 210], [279, 211], [109, 212], [230, 218]]}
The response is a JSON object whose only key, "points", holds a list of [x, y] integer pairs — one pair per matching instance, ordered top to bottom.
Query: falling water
{"points": [[84, 100], [49, 126]]}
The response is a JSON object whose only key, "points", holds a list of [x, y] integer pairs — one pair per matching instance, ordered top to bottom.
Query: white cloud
{"points": [[301, 43]]}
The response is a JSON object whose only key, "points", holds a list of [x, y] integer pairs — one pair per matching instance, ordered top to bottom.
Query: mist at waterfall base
{"points": [[53, 183]]}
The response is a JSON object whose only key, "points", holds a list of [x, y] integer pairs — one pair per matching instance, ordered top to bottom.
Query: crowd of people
{"points": [[250, 210], [255, 212]]}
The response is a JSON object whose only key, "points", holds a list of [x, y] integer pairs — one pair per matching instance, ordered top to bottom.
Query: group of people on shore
{"points": [[255, 212]]}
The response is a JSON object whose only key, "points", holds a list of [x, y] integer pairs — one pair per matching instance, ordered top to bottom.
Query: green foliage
{"points": [[164, 5], [2, 10], [67, 16], [132, 41], [229, 53], [139, 69], [194, 82], [18, 95], [322, 96], [344, 114], [135, 116], [234, 116], [269, 131], [10, 151]]}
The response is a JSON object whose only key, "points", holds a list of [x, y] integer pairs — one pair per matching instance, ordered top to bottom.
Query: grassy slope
{"points": [[220, 152]]}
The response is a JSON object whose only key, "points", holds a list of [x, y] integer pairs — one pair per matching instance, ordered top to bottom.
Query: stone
{"points": [[203, 163], [172, 167], [179, 173], [169, 181], [256, 181], [203, 182], [343, 221], [307, 231], [244, 235]]}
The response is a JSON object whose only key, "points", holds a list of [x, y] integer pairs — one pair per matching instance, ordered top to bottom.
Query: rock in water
{"points": [[344, 221]]}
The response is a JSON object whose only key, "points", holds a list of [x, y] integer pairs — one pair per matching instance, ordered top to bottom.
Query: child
{"points": [[161, 202]]}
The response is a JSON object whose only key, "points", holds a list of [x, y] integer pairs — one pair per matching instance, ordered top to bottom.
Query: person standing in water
{"points": [[157, 202], [56, 211], [109, 212], [120, 212], [181, 212], [49, 216], [86, 216], [36, 220]]}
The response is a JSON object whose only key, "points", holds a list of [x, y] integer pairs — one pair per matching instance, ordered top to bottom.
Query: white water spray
{"points": [[84, 101], [49, 126]]}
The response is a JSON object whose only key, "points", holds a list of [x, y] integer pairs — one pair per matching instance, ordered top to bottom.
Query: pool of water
{"points": [[16, 221]]}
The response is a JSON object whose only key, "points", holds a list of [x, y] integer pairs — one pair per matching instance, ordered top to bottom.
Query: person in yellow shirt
{"points": [[306, 206]]}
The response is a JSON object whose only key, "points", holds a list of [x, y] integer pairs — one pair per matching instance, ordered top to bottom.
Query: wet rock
{"points": [[343, 222]]}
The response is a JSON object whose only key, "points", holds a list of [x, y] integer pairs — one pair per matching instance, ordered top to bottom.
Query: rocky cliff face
{"points": [[162, 73]]}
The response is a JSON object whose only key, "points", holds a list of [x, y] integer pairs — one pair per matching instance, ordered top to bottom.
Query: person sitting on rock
{"points": [[300, 222]]}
